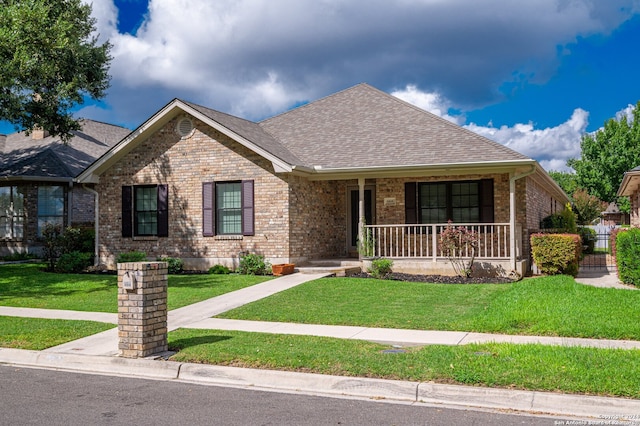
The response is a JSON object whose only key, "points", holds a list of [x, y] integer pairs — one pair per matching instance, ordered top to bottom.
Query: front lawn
{"points": [[28, 286], [550, 306], [37, 333], [607, 372]]}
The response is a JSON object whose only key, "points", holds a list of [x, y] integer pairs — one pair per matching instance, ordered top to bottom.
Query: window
{"points": [[458, 201], [50, 206], [227, 208], [145, 211], [11, 213]]}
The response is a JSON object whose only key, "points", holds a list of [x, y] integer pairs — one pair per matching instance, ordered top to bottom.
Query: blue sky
{"points": [[534, 75]]}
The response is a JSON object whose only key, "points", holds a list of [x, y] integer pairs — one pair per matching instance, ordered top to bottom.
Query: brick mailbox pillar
{"points": [[142, 308]]}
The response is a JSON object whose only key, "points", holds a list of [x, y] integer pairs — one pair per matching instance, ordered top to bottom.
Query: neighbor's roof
{"points": [[365, 127], [22, 157]]}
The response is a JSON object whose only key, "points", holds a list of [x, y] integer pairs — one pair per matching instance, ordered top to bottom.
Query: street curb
{"points": [[461, 396]]}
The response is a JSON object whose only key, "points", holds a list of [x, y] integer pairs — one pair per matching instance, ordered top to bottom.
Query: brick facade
{"points": [[184, 164], [635, 208], [296, 219]]}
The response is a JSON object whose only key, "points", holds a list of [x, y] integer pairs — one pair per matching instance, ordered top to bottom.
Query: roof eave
{"points": [[322, 173], [36, 179], [630, 184]]}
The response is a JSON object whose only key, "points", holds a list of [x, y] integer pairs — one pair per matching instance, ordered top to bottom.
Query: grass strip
{"points": [[28, 286], [548, 306], [38, 334], [605, 372]]}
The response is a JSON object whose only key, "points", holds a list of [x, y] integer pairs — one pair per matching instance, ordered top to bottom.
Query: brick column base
{"points": [[142, 308]]}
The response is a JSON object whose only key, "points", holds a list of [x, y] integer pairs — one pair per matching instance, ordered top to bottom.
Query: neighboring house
{"points": [[37, 182], [206, 186], [630, 187], [612, 216]]}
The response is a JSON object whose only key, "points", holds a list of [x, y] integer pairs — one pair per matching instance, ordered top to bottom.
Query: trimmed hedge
{"points": [[556, 253], [628, 256]]}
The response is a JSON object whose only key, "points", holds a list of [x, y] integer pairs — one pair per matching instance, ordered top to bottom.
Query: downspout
{"points": [[512, 213], [96, 244]]}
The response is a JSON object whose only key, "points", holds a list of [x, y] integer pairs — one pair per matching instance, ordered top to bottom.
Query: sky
{"points": [[534, 75]]}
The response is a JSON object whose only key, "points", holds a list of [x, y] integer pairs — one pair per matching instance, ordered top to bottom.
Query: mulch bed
{"points": [[440, 279]]}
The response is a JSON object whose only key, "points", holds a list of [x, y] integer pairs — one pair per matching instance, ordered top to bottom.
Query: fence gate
{"points": [[600, 258]]}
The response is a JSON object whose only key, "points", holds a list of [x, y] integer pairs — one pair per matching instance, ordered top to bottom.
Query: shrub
{"points": [[564, 222], [52, 235], [588, 236], [613, 236], [77, 239], [459, 244], [366, 246], [556, 253], [20, 255], [131, 256], [628, 256], [73, 262], [253, 264], [174, 265], [380, 268], [219, 270]]}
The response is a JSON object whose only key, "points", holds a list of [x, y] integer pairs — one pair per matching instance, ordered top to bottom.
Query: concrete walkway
{"points": [[97, 354]]}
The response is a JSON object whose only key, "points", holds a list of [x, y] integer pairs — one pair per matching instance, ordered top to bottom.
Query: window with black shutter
{"points": [[145, 210]]}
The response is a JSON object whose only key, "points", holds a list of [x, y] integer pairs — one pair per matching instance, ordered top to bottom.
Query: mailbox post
{"points": [[142, 308]]}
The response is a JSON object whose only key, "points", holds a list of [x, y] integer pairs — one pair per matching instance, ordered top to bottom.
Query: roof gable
{"points": [[363, 126]]}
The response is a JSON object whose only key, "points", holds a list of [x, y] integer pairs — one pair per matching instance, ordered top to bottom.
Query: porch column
{"points": [[360, 210], [512, 221]]}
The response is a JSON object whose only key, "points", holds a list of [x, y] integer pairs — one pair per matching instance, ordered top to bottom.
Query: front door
{"points": [[353, 216]]}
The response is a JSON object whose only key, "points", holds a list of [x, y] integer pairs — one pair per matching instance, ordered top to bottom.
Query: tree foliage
{"points": [[50, 62], [606, 155], [567, 181], [588, 207]]}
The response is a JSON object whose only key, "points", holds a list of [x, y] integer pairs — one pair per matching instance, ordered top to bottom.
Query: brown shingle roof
{"points": [[365, 127], [250, 131]]}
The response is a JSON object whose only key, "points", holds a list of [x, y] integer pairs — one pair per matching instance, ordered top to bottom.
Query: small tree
{"points": [[588, 207], [459, 244]]}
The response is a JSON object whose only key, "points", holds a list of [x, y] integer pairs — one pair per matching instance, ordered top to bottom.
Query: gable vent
{"points": [[184, 127]]}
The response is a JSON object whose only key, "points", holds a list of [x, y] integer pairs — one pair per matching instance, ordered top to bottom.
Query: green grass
{"points": [[26, 285], [550, 306], [37, 334], [610, 372]]}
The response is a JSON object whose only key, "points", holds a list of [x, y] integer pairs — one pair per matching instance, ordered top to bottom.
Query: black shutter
{"points": [[486, 201], [410, 202], [127, 207], [163, 210], [208, 210], [248, 213]]}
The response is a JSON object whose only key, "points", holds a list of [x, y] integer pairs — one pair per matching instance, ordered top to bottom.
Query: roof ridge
{"points": [[323, 98]]}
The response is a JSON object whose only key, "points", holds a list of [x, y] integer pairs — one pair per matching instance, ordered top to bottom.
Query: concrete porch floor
{"points": [[338, 267]]}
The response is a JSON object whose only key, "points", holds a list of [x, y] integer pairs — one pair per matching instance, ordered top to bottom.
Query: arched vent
{"points": [[184, 127]]}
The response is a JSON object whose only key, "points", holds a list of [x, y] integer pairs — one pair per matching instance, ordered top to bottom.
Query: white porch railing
{"points": [[423, 241]]}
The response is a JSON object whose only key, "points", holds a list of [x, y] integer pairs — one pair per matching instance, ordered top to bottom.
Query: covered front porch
{"points": [[418, 249]]}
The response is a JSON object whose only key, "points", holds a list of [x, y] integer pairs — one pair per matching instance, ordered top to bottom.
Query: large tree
{"points": [[49, 62], [606, 155], [567, 181]]}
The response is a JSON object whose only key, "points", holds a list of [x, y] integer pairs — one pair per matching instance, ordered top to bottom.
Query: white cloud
{"points": [[263, 56], [432, 102], [551, 146]]}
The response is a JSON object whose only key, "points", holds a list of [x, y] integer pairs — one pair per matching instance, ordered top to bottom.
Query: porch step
{"points": [[337, 267]]}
